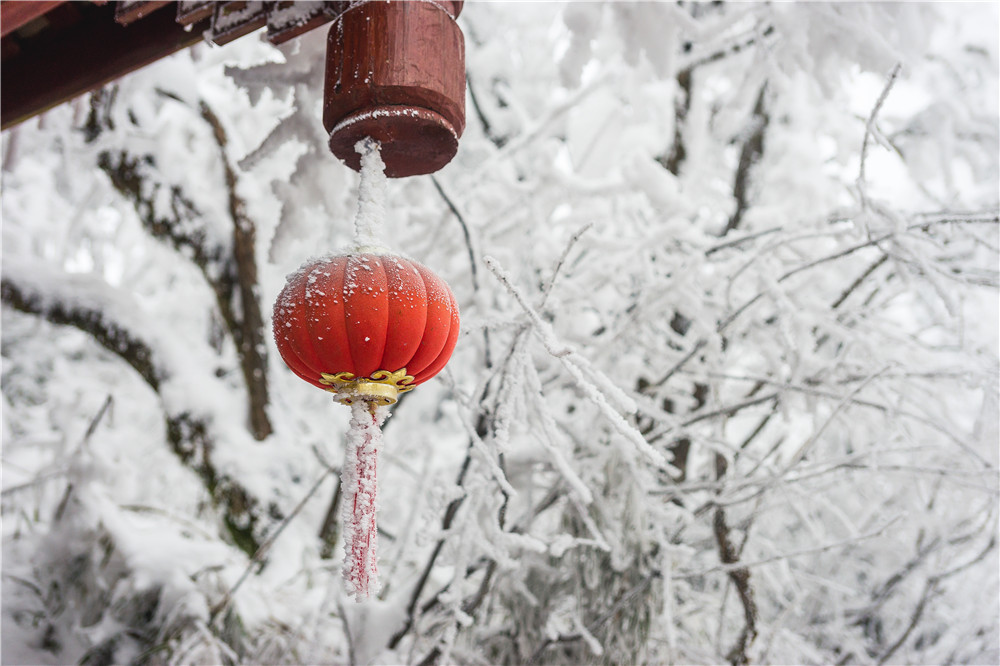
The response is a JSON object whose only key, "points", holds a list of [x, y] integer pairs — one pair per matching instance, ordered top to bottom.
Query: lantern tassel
{"points": [[359, 485]]}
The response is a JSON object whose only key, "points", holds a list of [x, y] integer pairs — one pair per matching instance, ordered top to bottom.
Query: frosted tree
{"points": [[726, 389]]}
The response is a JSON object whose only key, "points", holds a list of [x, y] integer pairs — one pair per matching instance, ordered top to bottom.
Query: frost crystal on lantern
{"points": [[358, 485]]}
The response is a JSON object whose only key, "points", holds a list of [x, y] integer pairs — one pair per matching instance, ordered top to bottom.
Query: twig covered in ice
{"points": [[871, 130], [578, 368], [266, 546], [802, 552]]}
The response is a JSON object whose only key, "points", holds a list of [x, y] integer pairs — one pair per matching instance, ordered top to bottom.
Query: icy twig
{"points": [[543, 124], [871, 130], [465, 231], [466, 234], [742, 239], [562, 260], [860, 279], [566, 354], [573, 362], [726, 410], [549, 438], [477, 444], [800, 454], [266, 546], [689, 575], [930, 590]]}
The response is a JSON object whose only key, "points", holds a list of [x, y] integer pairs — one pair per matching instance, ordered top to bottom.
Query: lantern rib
{"points": [[366, 310], [325, 320], [406, 327], [450, 341], [285, 345], [303, 347], [430, 349]]}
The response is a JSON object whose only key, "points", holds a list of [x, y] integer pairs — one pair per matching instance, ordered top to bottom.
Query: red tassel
{"points": [[360, 503]]}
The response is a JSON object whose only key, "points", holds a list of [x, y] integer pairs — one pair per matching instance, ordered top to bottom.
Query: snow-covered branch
{"points": [[116, 322]]}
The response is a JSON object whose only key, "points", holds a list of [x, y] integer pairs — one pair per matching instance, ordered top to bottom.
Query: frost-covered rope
{"points": [[371, 195], [360, 500]]}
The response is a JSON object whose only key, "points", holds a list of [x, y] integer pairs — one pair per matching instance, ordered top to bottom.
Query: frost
{"points": [[371, 197], [725, 390], [359, 485]]}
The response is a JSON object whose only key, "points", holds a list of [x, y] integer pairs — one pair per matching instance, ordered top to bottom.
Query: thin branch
{"points": [[730, 50], [870, 130], [497, 141], [750, 154], [987, 218], [465, 232], [742, 239], [573, 240], [473, 269], [857, 283], [248, 330], [681, 363], [576, 366], [108, 402], [727, 410], [449, 517], [328, 532], [266, 546], [965, 565], [727, 568], [740, 577], [930, 589]]}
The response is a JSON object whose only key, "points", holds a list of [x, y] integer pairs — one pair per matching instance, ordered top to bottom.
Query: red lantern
{"points": [[365, 326]]}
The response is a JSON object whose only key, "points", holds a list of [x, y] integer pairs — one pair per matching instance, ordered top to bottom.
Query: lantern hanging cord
{"points": [[372, 194]]}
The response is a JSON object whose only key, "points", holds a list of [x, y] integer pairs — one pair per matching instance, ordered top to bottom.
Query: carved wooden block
{"points": [[395, 71]]}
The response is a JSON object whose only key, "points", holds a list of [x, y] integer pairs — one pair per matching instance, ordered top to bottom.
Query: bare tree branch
{"points": [[753, 149], [230, 270], [248, 329], [740, 577]]}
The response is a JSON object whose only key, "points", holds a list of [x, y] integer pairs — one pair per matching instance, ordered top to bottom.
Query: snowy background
{"points": [[726, 390]]}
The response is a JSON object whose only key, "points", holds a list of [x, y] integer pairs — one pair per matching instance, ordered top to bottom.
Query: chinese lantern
{"points": [[365, 327]]}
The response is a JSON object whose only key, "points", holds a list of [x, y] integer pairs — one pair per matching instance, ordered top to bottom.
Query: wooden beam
{"points": [[128, 12], [13, 15], [50, 70]]}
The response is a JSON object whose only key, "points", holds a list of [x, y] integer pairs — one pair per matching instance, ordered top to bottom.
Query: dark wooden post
{"points": [[395, 71]]}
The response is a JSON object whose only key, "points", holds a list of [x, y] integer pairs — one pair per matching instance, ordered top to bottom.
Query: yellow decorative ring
{"points": [[382, 387]]}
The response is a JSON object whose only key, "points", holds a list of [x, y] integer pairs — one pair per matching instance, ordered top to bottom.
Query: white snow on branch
{"points": [[575, 364]]}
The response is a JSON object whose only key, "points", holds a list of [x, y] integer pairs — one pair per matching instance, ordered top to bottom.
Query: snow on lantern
{"points": [[365, 325]]}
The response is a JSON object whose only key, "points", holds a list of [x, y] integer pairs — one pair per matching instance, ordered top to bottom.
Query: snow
{"points": [[372, 196], [824, 376]]}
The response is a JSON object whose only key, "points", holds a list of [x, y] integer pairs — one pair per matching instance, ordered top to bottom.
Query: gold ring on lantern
{"points": [[381, 386]]}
